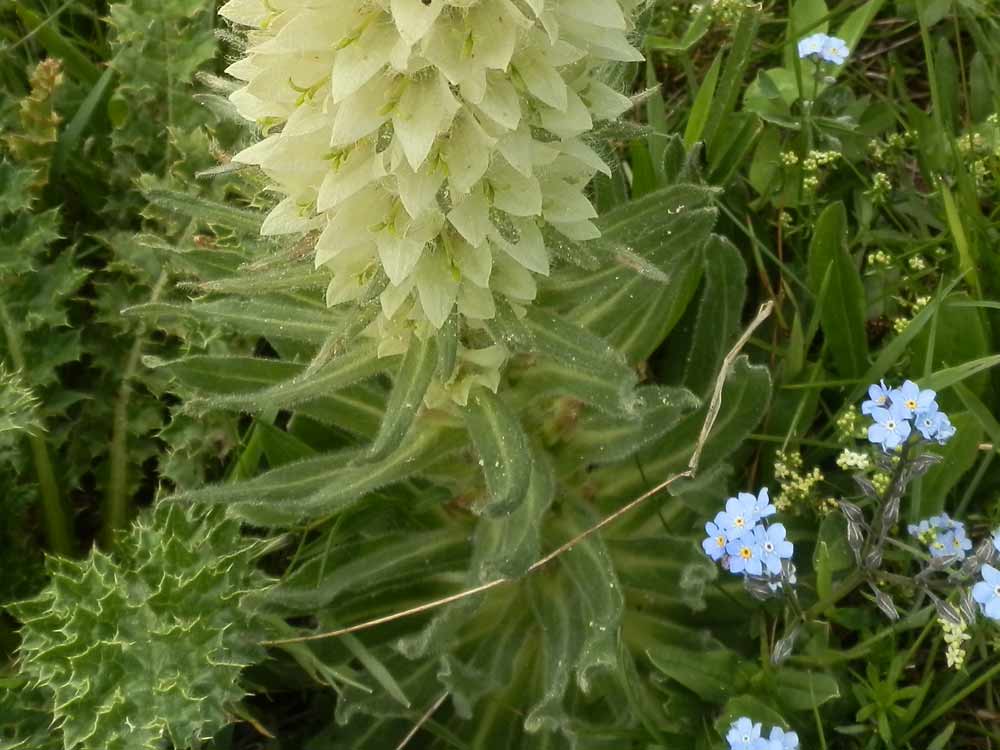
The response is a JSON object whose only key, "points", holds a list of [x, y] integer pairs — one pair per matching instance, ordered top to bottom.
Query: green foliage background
{"points": [[158, 352]]}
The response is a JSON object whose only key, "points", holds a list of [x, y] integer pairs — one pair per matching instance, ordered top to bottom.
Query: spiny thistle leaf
{"points": [[149, 644]]}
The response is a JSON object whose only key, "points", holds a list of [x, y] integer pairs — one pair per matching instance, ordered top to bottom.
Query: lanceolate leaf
{"points": [[206, 211], [667, 228], [834, 279], [719, 311], [277, 317], [567, 344], [357, 363], [211, 374], [412, 379], [544, 380], [744, 402], [606, 439], [503, 450], [348, 485], [323, 486], [506, 547], [369, 565], [589, 568], [556, 610]]}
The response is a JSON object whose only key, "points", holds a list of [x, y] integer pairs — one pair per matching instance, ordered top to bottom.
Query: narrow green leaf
{"points": [[857, 23], [731, 83], [702, 102], [70, 138], [727, 160], [205, 210], [966, 256], [832, 271], [719, 314], [277, 317], [568, 344], [356, 364], [221, 374], [951, 375], [412, 380], [544, 380], [744, 403], [602, 438], [281, 447], [504, 453], [958, 456], [285, 498], [505, 547], [369, 565], [590, 569], [824, 571], [556, 613], [376, 668], [708, 674], [940, 742]]}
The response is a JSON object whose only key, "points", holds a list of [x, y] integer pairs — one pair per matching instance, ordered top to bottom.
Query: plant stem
{"points": [[116, 508], [58, 530], [845, 588]]}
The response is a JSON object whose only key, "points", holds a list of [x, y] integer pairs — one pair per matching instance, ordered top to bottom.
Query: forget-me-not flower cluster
{"points": [[820, 46], [899, 413], [943, 536], [740, 538], [987, 592], [744, 734]]}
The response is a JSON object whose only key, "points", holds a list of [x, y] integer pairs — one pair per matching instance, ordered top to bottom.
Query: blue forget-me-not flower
{"points": [[820, 46], [834, 50], [878, 396], [913, 399], [898, 412], [891, 427], [740, 515], [943, 536], [740, 538], [715, 543], [773, 546], [746, 555], [987, 592], [744, 734], [779, 739]]}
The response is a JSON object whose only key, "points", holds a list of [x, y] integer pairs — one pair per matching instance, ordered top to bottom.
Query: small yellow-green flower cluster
{"points": [[725, 12], [891, 149], [789, 158], [811, 167], [880, 189], [879, 258], [849, 426], [849, 460], [880, 481], [798, 488], [955, 636]]}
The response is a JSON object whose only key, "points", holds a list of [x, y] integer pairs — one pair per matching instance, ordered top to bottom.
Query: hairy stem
{"points": [[116, 508], [58, 530]]}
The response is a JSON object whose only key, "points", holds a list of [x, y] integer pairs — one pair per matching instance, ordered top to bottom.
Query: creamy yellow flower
{"points": [[430, 141]]}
